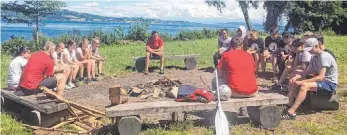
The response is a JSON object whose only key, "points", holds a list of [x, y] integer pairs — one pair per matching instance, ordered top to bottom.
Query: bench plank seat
{"points": [[172, 106]]}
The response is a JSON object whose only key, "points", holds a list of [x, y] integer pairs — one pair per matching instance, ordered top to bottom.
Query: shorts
{"points": [[50, 83], [326, 86]]}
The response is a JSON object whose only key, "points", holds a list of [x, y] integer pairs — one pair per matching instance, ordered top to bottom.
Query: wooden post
{"points": [[190, 63], [140, 64], [116, 97], [265, 116]]}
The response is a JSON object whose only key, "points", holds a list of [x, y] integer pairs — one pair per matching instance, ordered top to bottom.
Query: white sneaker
{"points": [[71, 85], [67, 86]]}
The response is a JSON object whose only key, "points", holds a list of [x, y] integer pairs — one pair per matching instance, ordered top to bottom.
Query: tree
{"points": [[243, 4], [275, 10], [30, 12]]}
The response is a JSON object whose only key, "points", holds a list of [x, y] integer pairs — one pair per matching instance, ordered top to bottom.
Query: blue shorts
{"points": [[326, 86]]}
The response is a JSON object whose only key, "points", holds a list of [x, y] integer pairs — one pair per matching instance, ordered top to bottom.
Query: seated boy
{"points": [[155, 46], [255, 47], [99, 60], [324, 65], [16, 67], [237, 68], [39, 71]]}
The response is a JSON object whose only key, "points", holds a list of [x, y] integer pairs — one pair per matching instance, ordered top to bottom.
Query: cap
{"points": [[298, 42], [310, 43]]}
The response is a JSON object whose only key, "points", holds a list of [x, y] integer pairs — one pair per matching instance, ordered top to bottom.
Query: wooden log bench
{"points": [[189, 61], [322, 100], [264, 103], [38, 109]]}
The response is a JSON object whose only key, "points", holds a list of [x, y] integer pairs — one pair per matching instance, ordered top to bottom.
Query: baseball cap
{"points": [[286, 34], [298, 42], [310, 43]]}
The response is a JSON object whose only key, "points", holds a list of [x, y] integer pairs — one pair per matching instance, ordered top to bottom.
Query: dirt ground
{"points": [[96, 94]]}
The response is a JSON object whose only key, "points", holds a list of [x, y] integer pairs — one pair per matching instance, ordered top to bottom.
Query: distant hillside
{"points": [[67, 15]]}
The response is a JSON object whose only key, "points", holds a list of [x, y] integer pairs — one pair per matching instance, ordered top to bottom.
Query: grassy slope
{"points": [[119, 57]]}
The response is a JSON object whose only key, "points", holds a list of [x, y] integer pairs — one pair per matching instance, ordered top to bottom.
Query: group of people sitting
{"points": [[304, 61], [55, 67]]}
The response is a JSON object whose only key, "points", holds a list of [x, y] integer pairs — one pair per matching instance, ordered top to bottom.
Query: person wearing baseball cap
{"points": [[324, 66]]}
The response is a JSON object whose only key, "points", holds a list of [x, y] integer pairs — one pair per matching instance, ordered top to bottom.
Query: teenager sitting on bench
{"points": [[223, 45], [155, 46], [255, 47], [83, 54], [99, 60], [59, 65], [324, 66], [16, 67], [237, 67], [39, 71]]}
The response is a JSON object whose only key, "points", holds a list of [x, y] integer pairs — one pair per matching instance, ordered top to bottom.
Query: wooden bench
{"points": [[189, 61], [322, 100], [264, 104], [40, 110]]}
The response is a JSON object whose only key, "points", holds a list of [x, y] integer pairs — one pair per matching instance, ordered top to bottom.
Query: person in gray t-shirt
{"points": [[223, 45], [324, 66]]}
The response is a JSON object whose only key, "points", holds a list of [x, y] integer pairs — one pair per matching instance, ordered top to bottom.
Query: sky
{"points": [[182, 10]]}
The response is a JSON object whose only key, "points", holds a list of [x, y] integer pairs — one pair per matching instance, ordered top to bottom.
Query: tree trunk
{"points": [[244, 8], [37, 30]]}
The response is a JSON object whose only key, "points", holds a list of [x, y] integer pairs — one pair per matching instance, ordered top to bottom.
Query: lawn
{"points": [[119, 62]]}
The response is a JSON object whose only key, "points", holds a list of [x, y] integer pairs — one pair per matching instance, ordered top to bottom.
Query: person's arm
{"points": [[65, 58], [296, 60], [49, 69], [318, 78]]}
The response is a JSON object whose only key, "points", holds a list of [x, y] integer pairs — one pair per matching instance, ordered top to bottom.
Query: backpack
{"points": [[188, 93]]}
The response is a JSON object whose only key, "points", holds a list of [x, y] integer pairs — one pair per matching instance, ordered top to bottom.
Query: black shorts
{"points": [[50, 83]]}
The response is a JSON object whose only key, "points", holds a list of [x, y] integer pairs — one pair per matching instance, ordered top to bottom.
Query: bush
{"points": [[138, 31], [328, 32]]}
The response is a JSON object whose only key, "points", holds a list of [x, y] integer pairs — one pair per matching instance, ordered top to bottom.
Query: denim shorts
{"points": [[326, 86]]}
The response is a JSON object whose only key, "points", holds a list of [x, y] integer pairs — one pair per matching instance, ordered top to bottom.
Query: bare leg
{"points": [[148, 54], [257, 61], [100, 62], [162, 62], [274, 64], [92, 66], [81, 67], [75, 69], [61, 80], [305, 87]]}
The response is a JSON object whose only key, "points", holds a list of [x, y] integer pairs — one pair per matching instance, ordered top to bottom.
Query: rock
{"points": [[136, 91], [172, 93]]}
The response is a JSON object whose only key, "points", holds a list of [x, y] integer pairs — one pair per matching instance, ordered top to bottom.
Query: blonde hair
{"points": [[49, 46]]}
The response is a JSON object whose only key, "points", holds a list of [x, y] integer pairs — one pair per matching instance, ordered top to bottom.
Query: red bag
{"points": [[199, 95]]}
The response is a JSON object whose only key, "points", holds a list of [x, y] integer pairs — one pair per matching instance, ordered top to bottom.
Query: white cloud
{"points": [[91, 4], [187, 10]]}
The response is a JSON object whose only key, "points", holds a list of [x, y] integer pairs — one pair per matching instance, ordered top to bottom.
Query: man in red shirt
{"points": [[155, 46], [237, 67], [39, 71]]}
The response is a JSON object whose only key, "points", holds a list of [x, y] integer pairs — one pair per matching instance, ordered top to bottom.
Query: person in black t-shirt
{"points": [[272, 43], [255, 47], [284, 50]]}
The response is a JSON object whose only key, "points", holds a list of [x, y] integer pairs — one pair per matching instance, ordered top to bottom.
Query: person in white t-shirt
{"points": [[84, 54], [69, 57], [99, 60], [61, 66], [16, 67]]}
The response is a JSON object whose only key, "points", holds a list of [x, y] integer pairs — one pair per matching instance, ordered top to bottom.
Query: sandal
{"points": [[287, 116]]}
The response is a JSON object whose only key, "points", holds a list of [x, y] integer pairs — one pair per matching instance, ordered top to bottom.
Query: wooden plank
{"points": [[174, 57], [33, 101], [173, 106]]}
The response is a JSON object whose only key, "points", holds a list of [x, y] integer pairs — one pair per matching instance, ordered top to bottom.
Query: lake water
{"points": [[56, 28]]}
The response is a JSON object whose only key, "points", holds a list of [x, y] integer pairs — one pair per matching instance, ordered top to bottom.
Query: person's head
{"points": [[241, 32], [274, 32], [224, 33], [155, 35], [254, 35], [307, 35], [286, 36], [320, 39], [96, 42], [237, 43], [84, 44], [71, 45], [298, 45], [312, 46], [60, 47], [49, 48], [24, 52]]}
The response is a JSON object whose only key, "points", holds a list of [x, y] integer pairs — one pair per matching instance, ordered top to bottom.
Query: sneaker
{"points": [[161, 71], [145, 72], [101, 74], [95, 79], [275, 79], [87, 81], [71, 85], [67, 86], [276, 87], [287, 116]]}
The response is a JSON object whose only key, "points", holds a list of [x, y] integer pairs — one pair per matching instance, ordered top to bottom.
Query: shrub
{"points": [[137, 31]]}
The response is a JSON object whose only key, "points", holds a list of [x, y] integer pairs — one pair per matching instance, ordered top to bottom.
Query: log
{"points": [[190, 63], [172, 81], [156, 92], [116, 97], [322, 101], [75, 105], [265, 116], [37, 118], [68, 121], [129, 125], [83, 126], [50, 129]]}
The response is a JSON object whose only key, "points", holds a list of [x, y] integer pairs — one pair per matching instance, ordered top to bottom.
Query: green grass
{"points": [[119, 57]]}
